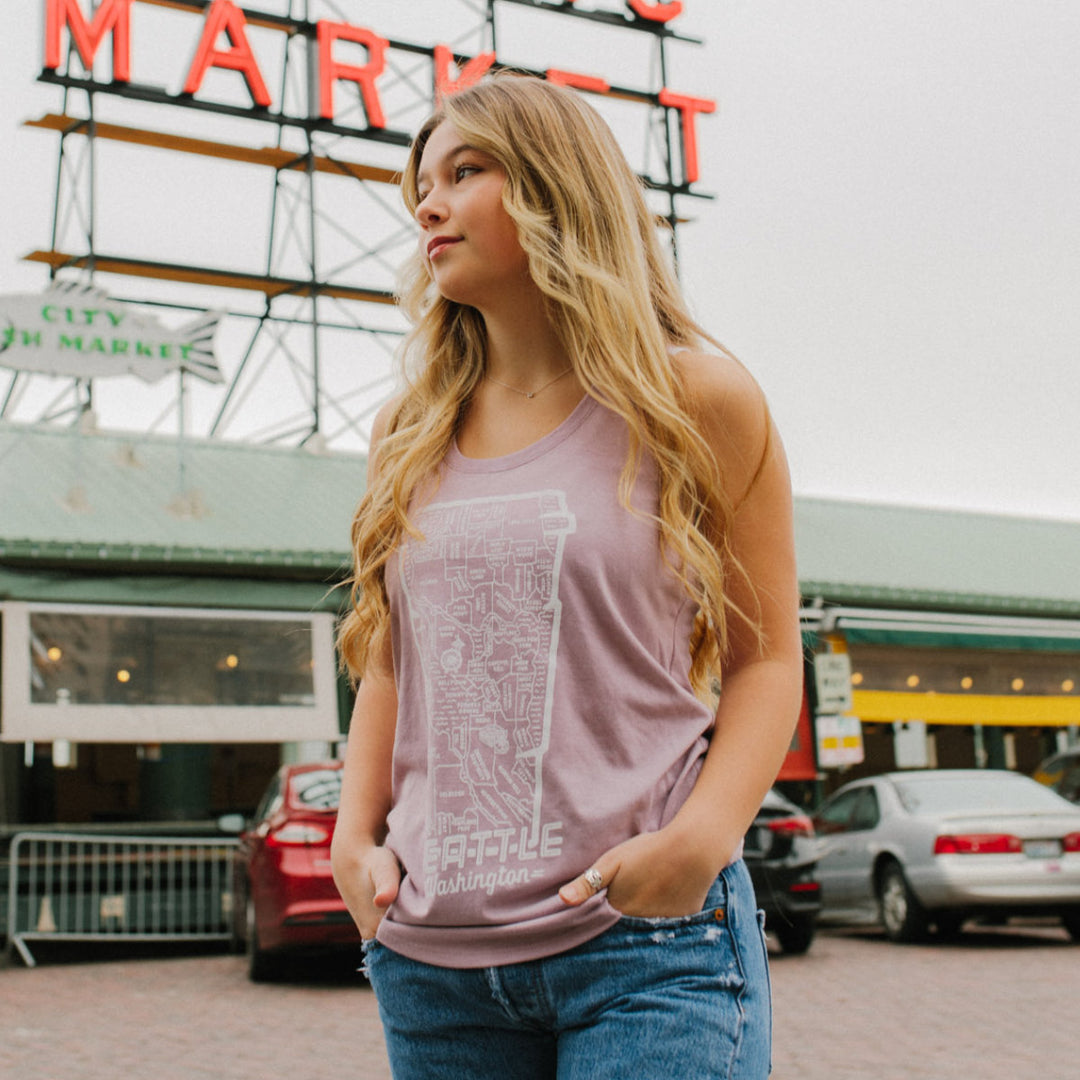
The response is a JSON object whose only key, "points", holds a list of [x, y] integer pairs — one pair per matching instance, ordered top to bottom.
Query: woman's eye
{"points": [[464, 170]]}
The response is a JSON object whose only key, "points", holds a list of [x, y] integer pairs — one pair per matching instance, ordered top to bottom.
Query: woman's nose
{"points": [[429, 210]]}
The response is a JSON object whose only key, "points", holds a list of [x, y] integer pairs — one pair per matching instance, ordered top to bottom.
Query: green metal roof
{"points": [[68, 497], [209, 507], [866, 553]]}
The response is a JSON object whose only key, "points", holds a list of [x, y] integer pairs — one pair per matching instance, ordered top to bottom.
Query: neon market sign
{"points": [[223, 43], [76, 330]]}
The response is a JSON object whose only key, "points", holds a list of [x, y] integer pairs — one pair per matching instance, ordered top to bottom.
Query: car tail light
{"points": [[794, 825], [296, 833], [1071, 842], [978, 844], [805, 887]]}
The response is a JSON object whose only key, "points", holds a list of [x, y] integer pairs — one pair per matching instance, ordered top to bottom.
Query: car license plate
{"points": [[1042, 849]]}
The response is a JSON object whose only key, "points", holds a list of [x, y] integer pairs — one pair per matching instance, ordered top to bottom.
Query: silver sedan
{"points": [[939, 846]]}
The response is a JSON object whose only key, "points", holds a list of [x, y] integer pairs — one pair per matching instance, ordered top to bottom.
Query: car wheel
{"points": [[901, 913], [1071, 921], [795, 933], [262, 966]]}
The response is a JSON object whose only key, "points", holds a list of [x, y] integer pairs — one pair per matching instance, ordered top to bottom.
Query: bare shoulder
{"points": [[719, 384], [729, 406], [381, 424]]}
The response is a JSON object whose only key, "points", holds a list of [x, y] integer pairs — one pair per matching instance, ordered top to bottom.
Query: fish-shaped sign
{"points": [[77, 330]]}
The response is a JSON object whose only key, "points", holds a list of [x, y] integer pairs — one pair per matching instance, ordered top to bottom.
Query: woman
{"points": [[576, 518]]}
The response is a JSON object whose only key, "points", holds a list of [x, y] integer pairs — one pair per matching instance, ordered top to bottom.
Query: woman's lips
{"points": [[440, 243]]}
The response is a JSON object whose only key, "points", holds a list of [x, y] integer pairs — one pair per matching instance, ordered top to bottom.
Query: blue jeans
{"points": [[649, 999]]}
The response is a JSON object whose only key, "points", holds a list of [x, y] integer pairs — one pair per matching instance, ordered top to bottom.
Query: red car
{"points": [[284, 895]]}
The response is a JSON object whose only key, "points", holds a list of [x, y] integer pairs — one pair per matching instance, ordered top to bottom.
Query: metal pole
{"points": [[491, 26], [56, 198], [91, 206], [672, 216], [313, 232], [313, 267], [239, 371], [10, 395], [86, 404]]}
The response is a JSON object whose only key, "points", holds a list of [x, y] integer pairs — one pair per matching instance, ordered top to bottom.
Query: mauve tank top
{"points": [[545, 710]]}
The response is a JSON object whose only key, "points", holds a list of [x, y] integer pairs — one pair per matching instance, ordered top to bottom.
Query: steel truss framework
{"points": [[308, 346]]}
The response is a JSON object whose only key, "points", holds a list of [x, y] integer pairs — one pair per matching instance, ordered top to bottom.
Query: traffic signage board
{"points": [[832, 680]]}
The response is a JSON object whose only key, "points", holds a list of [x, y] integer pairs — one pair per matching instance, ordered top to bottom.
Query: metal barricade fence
{"points": [[80, 887]]}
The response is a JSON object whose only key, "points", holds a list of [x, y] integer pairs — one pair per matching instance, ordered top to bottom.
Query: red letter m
{"points": [[112, 15]]}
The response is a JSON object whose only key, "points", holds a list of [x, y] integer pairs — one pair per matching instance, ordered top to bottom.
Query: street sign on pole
{"points": [[832, 680], [839, 741]]}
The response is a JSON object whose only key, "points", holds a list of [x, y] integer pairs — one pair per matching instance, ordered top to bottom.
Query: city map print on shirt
{"points": [[483, 603]]}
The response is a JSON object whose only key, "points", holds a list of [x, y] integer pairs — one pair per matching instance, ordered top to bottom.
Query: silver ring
{"points": [[594, 878]]}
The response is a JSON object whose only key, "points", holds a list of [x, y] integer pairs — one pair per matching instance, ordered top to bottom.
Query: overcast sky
{"points": [[894, 247]]}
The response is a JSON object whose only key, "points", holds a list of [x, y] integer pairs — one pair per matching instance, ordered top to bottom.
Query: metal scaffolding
{"points": [[310, 327]]}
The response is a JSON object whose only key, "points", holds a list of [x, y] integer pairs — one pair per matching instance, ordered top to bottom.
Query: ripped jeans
{"points": [[650, 999]]}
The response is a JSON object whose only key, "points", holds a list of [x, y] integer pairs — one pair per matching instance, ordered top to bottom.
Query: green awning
{"points": [[166, 590], [935, 630], [968, 640]]}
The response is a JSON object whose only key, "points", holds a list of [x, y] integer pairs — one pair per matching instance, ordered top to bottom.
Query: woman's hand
{"points": [[653, 875], [368, 881]]}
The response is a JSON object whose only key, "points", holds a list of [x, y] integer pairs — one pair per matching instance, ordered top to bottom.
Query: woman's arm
{"points": [[669, 872], [366, 873]]}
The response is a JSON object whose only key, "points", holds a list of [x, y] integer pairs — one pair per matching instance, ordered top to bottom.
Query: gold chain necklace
{"points": [[529, 393]]}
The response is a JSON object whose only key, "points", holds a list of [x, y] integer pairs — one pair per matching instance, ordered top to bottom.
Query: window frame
{"points": [[23, 720]]}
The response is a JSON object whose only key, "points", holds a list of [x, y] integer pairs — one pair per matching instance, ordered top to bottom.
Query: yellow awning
{"points": [[1014, 710]]}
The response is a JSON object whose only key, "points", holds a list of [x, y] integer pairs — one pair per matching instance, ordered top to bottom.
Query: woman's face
{"points": [[468, 239]]}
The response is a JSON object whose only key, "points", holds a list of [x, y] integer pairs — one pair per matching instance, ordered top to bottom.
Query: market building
{"points": [[167, 604], [168, 612], [962, 631]]}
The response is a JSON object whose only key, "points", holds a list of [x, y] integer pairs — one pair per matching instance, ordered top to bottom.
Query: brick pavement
{"points": [[996, 1005], [187, 1018]]}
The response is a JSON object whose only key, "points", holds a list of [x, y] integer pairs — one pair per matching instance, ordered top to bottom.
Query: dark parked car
{"points": [[1062, 773], [936, 847], [781, 853], [284, 897]]}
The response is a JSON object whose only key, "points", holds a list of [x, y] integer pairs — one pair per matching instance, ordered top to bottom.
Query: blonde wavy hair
{"points": [[595, 254]]}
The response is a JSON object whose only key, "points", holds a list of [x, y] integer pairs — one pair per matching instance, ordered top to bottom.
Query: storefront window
{"points": [[94, 659], [965, 671], [149, 676]]}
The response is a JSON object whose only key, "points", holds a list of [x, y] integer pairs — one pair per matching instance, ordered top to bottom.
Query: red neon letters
{"points": [[645, 9], [655, 12], [114, 15], [225, 17], [330, 70], [471, 72], [579, 82], [688, 108]]}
